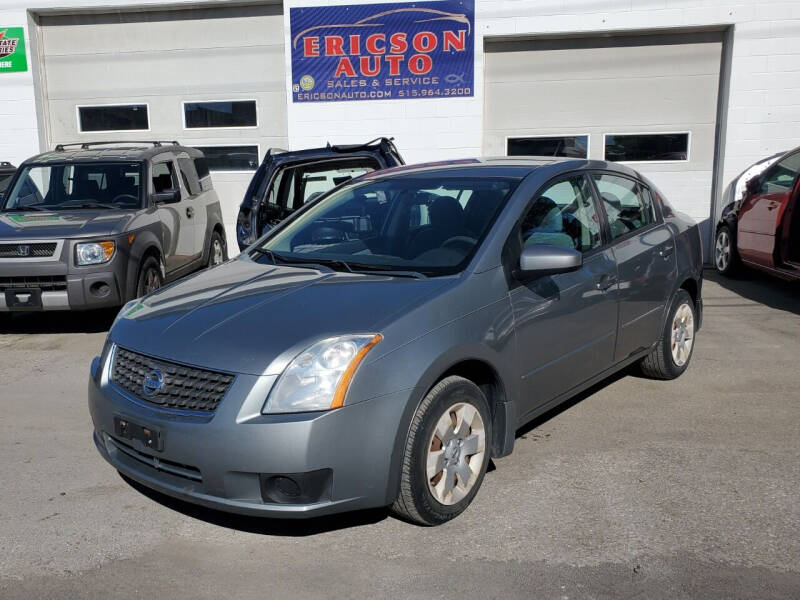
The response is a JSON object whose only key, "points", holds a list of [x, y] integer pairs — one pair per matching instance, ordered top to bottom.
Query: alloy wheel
{"points": [[722, 251], [217, 255], [151, 281], [682, 336], [455, 453]]}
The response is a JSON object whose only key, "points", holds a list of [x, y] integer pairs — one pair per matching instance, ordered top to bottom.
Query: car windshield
{"points": [[76, 185], [412, 225]]}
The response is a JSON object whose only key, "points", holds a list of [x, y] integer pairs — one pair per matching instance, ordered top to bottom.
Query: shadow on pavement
{"points": [[760, 287], [95, 321], [567, 404], [264, 525]]}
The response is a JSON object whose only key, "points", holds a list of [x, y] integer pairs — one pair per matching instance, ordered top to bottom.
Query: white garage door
{"points": [[206, 77], [648, 100]]}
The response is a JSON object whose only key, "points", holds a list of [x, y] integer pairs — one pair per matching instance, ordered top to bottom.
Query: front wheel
{"points": [[726, 259], [150, 278], [671, 356], [446, 453]]}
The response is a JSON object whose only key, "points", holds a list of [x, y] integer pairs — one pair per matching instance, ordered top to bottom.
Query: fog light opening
{"points": [[100, 289]]}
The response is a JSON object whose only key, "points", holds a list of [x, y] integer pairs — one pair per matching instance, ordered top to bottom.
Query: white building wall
{"points": [[763, 106], [19, 133]]}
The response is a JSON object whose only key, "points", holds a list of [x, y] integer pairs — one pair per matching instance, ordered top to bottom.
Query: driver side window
{"points": [[563, 214]]}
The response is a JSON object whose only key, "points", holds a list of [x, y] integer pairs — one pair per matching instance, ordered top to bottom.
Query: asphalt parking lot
{"points": [[638, 488]]}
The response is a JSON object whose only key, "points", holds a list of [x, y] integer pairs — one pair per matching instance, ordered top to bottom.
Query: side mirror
{"points": [[753, 185], [170, 196], [540, 259]]}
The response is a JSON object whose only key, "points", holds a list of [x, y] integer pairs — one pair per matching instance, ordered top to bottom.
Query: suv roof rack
{"points": [[87, 145], [5, 163]]}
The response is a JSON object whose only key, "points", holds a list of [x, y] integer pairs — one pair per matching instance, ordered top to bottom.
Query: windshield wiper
{"points": [[86, 205], [24, 208], [264, 252], [300, 264], [338, 265], [388, 272]]}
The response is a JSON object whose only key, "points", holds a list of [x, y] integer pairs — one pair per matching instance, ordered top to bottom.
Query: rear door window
{"points": [[189, 176], [311, 180], [627, 203]]}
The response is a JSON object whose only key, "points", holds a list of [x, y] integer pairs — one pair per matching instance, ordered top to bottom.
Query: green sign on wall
{"points": [[12, 50]]}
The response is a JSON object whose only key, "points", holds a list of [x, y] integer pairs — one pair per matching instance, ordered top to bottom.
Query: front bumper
{"points": [[61, 287], [220, 460]]}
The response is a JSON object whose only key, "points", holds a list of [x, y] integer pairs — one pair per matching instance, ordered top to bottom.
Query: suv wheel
{"points": [[217, 252], [726, 260], [149, 277], [674, 350], [446, 453]]}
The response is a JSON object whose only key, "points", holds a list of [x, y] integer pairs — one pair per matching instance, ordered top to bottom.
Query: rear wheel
{"points": [[217, 251], [726, 259], [150, 278], [674, 350], [446, 453]]}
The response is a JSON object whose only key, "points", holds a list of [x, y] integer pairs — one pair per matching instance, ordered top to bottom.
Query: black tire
{"points": [[213, 261], [726, 266], [150, 278], [660, 363], [416, 502]]}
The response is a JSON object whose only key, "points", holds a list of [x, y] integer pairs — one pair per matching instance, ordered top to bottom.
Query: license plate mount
{"points": [[24, 299], [150, 437]]}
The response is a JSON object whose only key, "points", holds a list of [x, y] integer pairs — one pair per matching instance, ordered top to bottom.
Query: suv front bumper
{"points": [[53, 284]]}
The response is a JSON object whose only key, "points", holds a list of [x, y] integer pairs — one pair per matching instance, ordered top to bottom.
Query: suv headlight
{"points": [[94, 253], [318, 378]]}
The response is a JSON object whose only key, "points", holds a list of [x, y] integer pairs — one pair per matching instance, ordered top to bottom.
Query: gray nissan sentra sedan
{"points": [[379, 346]]}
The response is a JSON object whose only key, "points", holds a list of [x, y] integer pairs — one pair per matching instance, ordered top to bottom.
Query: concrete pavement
{"points": [[637, 489]]}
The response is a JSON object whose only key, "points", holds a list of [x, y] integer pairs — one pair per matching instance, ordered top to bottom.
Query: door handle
{"points": [[189, 212], [666, 251], [606, 281]]}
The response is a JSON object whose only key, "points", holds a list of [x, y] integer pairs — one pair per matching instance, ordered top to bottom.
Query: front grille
{"points": [[42, 250], [46, 283], [183, 388]]}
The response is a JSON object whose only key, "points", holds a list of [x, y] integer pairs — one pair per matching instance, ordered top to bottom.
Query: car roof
{"points": [[110, 152], [501, 166], [6, 167]]}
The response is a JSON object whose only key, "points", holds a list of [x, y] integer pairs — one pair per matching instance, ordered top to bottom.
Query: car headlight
{"points": [[94, 253], [318, 378]]}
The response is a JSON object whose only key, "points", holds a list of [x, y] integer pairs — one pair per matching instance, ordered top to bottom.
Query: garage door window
{"points": [[204, 115], [121, 117], [573, 146], [649, 147], [231, 158], [628, 204]]}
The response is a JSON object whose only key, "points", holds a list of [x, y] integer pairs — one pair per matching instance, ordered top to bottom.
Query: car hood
{"points": [[63, 224], [242, 315]]}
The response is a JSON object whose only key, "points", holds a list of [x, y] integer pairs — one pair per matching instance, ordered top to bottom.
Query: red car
{"points": [[761, 229]]}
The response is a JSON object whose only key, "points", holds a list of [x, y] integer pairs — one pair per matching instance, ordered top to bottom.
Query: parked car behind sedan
{"points": [[286, 180], [95, 225], [760, 225], [380, 345]]}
